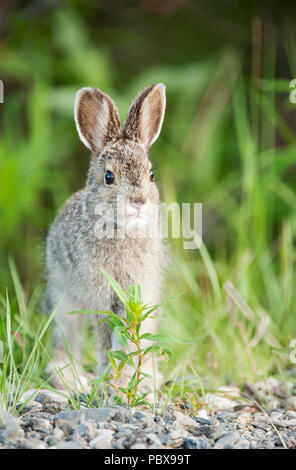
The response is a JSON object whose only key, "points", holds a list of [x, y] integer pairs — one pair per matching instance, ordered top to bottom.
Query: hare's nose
{"points": [[137, 201]]}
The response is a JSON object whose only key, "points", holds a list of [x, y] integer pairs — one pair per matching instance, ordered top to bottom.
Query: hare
{"points": [[120, 177]]}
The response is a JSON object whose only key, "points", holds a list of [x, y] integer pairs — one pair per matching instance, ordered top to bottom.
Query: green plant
{"points": [[127, 330], [23, 361]]}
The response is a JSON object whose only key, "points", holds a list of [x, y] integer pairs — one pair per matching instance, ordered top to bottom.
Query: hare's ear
{"points": [[146, 115], [96, 117]]}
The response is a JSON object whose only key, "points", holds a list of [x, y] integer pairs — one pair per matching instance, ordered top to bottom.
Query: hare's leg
{"points": [[68, 327], [101, 330], [103, 343], [65, 371]]}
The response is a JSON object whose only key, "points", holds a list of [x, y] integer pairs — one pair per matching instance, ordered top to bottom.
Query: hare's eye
{"points": [[151, 175], [109, 177]]}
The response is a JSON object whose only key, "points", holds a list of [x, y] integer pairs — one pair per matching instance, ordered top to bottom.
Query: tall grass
{"points": [[24, 337]]}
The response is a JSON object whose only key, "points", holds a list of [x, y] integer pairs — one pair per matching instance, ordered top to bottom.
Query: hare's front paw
{"points": [[65, 374]]}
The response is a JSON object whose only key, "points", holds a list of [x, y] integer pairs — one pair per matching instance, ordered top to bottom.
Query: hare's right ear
{"points": [[145, 116], [96, 117]]}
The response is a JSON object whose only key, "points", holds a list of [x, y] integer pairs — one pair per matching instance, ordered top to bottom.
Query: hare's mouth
{"points": [[136, 211]]}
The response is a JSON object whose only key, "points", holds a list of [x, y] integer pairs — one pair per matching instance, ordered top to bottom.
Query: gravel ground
{"points": [[266, 419]]}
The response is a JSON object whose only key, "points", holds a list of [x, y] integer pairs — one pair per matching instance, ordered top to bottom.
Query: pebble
{"points": [[291, 401], [47, 421], [40, 424], [9, 428], [87, 430], [103, 440], [227, 441], [192, 443], [71, 445]]}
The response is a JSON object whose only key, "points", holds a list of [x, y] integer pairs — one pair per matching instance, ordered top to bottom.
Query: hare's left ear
{"points": [[146, 115], [96, 117]]}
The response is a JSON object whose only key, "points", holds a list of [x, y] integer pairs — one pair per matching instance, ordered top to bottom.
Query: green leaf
{"points": [[116, 287], [132, 291], [138, 293], [168, 299], [90, 312], [116, 319], [119, 321], [138, 329], [120, 335], [146, 336], [166, 339], [158, 349], [121, 356], [111, 359], [148, 376], [132, 380], [97, 383], [118, 399], [139, 402]]}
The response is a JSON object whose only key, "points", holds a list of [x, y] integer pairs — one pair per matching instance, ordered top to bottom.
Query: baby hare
{"points": [[120, 179]]}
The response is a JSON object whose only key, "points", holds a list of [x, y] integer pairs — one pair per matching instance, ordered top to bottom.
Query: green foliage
{"points": [[127, 330], [24, 354]]}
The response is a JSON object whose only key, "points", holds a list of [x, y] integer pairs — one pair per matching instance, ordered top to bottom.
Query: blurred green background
{"points": [[228, 141]]}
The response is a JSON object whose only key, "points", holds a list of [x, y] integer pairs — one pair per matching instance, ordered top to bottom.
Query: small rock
{"points": [[29, 395], [51, 396], [224, 399], [291, 402], [30, 406], [52, 407], [121, 413], [202, 414], [99, 415], [276, 415], [168, 416], [74, 417], [71, 418], [244, 418], [145, 419], [183, 420], [202, 421], [260, 421], [289, 423], [39, 424], [64, 426], [9, 428], [204, 429], [87, 430], [57, 434], [131, 437], [176, 437], [163, 438], [103, 440], [228, 440], [51, 441], [153, 441], [33, 443], [195, 443], [242, 444], [267, 444], [71, 445], [138, 446]]}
